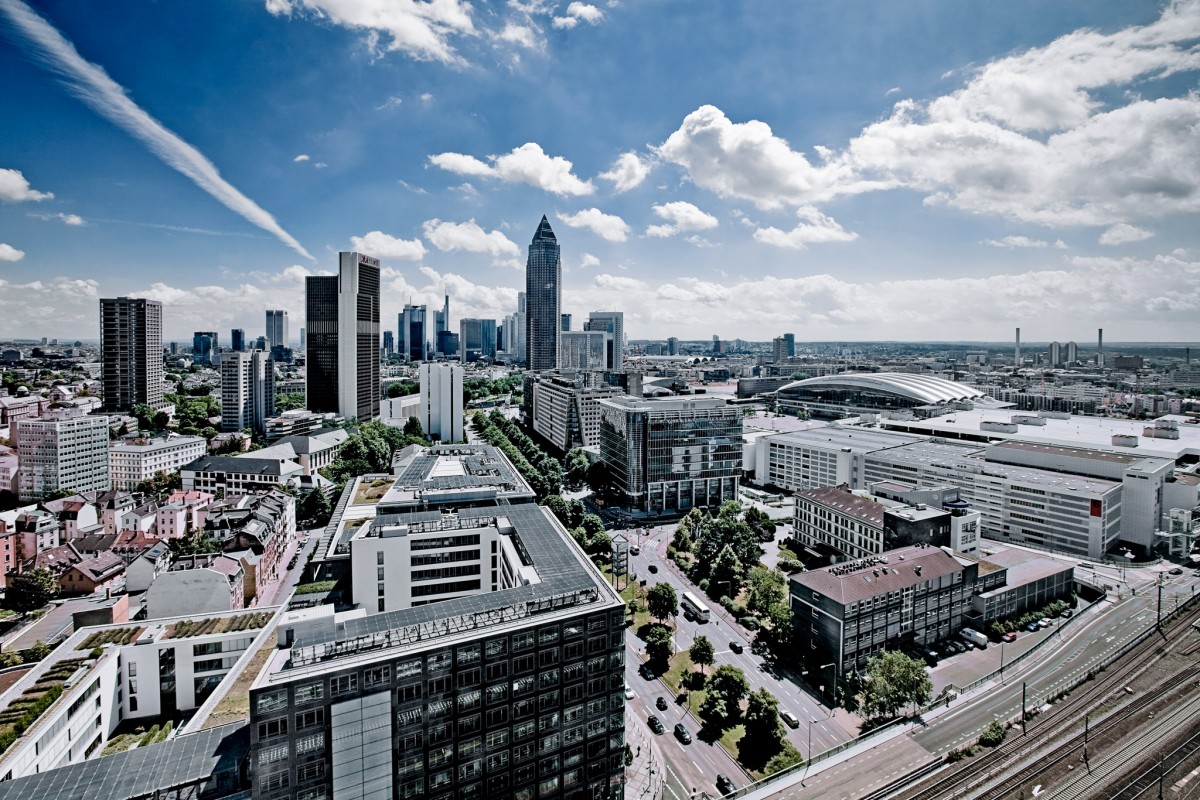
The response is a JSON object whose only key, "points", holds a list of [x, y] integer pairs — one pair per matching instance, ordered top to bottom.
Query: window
{"points": [[132, 669], [497, 670], [374, 676], [469, 677], [343, 684], [309, 692], [497, 693], [408, 694], [469, 701], [497, 716], [310, 719], [272, 728], [523, 730], [496, 739], [310, 744], [271, 755], [311, 771]]}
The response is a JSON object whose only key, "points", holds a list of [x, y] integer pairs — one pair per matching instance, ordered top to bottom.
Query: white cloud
{"points": [[579, 12], [422, 30], [524, 35], [93, 86], [891, 91], [426, 97], [390, 103], [1043, 136], [301, 157], [525, 164], [320, 165], [627, 172], [14, 188], [681, 217], [73, 220], [607, 226], [813, 228], [1122, 233], [469, 237], [1010, 242], [381, 245], [10, 253], [587, 261], [54, 306]]}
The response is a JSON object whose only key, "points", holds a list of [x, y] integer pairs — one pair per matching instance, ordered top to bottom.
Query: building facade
{"points": [[543, 299], [612, 324], [277, 328], [413, 335], [343, 339], [206, 348], [585, 350], [131, 354], [247, 391], [441, 401], [564, 410], [62, 451], [670, 455], [132, 461]]}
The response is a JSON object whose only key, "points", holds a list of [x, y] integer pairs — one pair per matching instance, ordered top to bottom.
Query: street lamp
{"points": [[808, 750]]}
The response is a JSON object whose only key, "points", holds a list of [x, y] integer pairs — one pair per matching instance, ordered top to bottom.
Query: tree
{"points": [[288, 401], [161, 420], [412, 427], [575, 467], [599, 478], [315, 507], [559, 508], [761, 523], [592, 524], [599, 544], [726, 572], [766, 587], [30, 591], [661, 602], [778, 636], [658, 643], [37, 651], [703, 652], [893, 682], [725, 690], [762, 722], [993, 734]]}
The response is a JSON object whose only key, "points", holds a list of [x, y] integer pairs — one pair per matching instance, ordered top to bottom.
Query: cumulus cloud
{"points": [[579, 12], [421, 30], [524, 35], [94, 87], [1044, 136], [301, 157], [525, 164], [627, 172], [14, 188], [681, 217], [73, 220], [609, 227], [813, 228], [1122, 233], [469, 237], [1010, 242], [381, 245], [10, 253], [587, 261], [68, 303]]}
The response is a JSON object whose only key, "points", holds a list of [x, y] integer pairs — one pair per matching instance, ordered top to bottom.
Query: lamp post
{"points": [[1002, 660], [808, 750]]}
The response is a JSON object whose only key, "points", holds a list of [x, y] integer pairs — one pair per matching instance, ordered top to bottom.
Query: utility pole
{"points": [[1158, 622], [1087, 718], [1024, 723]]}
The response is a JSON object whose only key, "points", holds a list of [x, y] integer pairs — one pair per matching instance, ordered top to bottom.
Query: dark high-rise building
{"points": [[543, 299], [342, 317], [441, 321], [566, 321], [277, 328], [413, 334], [237, 340], [477, 340], [389, 344], [447, 344], [205, 347], [131, 354]]}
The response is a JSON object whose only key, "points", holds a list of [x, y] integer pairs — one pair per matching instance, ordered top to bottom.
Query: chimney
{"points": [[1100, 347], [1017, 355]]}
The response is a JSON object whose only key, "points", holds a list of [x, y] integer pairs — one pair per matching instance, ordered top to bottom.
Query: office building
{"points": [[543, 299], [441, 319], [342, 320], [566, 321], [612, 323], [277, 328], [413, 337], [237, 340], [477, 340], [389, 344], [448, 344], [672, 346], [206, 348], [783, 348], [584, 350], [1072, 353], [131, 354], [1054, 355], [247, 391], [441, 404], [564, 407], [63, 450], [673, 454], [823, 456], [132, 461], [837, 524], [513, 689]]}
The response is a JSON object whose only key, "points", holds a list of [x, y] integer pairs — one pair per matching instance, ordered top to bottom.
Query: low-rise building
{"points": [[296, 421], [311, 451], [132, 461], [233, 474], [453, 475], [264, 524], [104, 571], [141, 571], [200, 584]]}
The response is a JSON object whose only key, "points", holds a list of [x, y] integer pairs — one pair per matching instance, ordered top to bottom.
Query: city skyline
{"points": [[878, 173]]}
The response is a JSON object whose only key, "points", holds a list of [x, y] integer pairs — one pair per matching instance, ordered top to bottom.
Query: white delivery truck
{"points": [[974, 637]]}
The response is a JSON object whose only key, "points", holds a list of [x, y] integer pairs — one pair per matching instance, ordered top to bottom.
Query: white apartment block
{"points": [[247, 390], [440, 409], [566, 413], [62, 451], [825, 456], [132, 461]]}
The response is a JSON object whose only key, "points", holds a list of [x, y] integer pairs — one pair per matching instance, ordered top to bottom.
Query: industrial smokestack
{"points": [[1100, 348], [1017, 354]]}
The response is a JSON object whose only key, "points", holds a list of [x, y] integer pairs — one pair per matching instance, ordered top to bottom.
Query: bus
{"points": [[692, 603]]}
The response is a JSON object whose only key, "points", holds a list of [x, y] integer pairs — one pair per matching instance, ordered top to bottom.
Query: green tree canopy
{"points": [[575, 467], [725, 574], [766, 587], [30, 591], [662, 602], [658, 643], [702, 652], [893, 682], [725, 690], [762, 722]]}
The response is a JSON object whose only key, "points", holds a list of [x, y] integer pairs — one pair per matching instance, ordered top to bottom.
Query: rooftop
{"points": [[856, 440], [453, 473], [843, 500], [891, 572]]}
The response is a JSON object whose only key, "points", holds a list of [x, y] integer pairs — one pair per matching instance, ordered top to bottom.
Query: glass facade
{"points": [[543, 299], [321, 342], [537, 711]]}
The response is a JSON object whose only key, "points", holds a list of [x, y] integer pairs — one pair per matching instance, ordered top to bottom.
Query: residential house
{"points": [[112, 504], [77, 516], [264, 524], [56, 559], [143, 569], [105, 571], [193, 585]]}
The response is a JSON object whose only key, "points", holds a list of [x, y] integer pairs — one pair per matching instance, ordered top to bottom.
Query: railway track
{"points": [[999, 772], [1146, 784]]}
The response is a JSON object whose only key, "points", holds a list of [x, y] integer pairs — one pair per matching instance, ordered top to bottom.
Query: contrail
{"points": [[92, 85]]}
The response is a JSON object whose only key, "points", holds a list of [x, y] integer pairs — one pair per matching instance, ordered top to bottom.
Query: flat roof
{"points": [[1075, 431], [858, 440], [1073, 452], [956, 455], [437, 473], [848, 503], [1023, 566], [889, 572]]}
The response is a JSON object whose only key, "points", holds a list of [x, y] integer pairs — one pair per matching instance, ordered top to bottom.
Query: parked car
{"points": [[634, 550], [653, 568], [1176, 571], [1067, 613], [1045, 622], [1033, 626], [1009, 636], [736, 647], [931, 656], [628, 692], [661, 703], [790, 719], [656, 724], [681, 733], [724, 785]]}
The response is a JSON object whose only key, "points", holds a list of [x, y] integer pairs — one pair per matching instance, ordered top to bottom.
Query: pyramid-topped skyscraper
{"points": [[543, 299]]}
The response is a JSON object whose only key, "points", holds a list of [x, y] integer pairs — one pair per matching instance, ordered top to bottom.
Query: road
{"points": [[697, 765]]}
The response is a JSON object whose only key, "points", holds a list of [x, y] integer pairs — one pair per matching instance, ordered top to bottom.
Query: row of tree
{"points": [[370, 447], [543, 472]]}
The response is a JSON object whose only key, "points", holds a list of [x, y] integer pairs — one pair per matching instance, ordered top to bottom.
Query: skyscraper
{"points": [[543, 299], [342, 318], [441, 321], [566, 321], [613, 324], [277, 328], [413, 338], [477, 339], [237, 340], [389, 344], [205, 347], [131, 360], [247, 390], [441, 407]]}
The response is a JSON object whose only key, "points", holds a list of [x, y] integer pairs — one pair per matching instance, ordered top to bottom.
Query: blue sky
{"points": [[843, 171]]}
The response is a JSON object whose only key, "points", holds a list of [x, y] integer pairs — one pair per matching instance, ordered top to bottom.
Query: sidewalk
{"points": [[643, 777]]}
